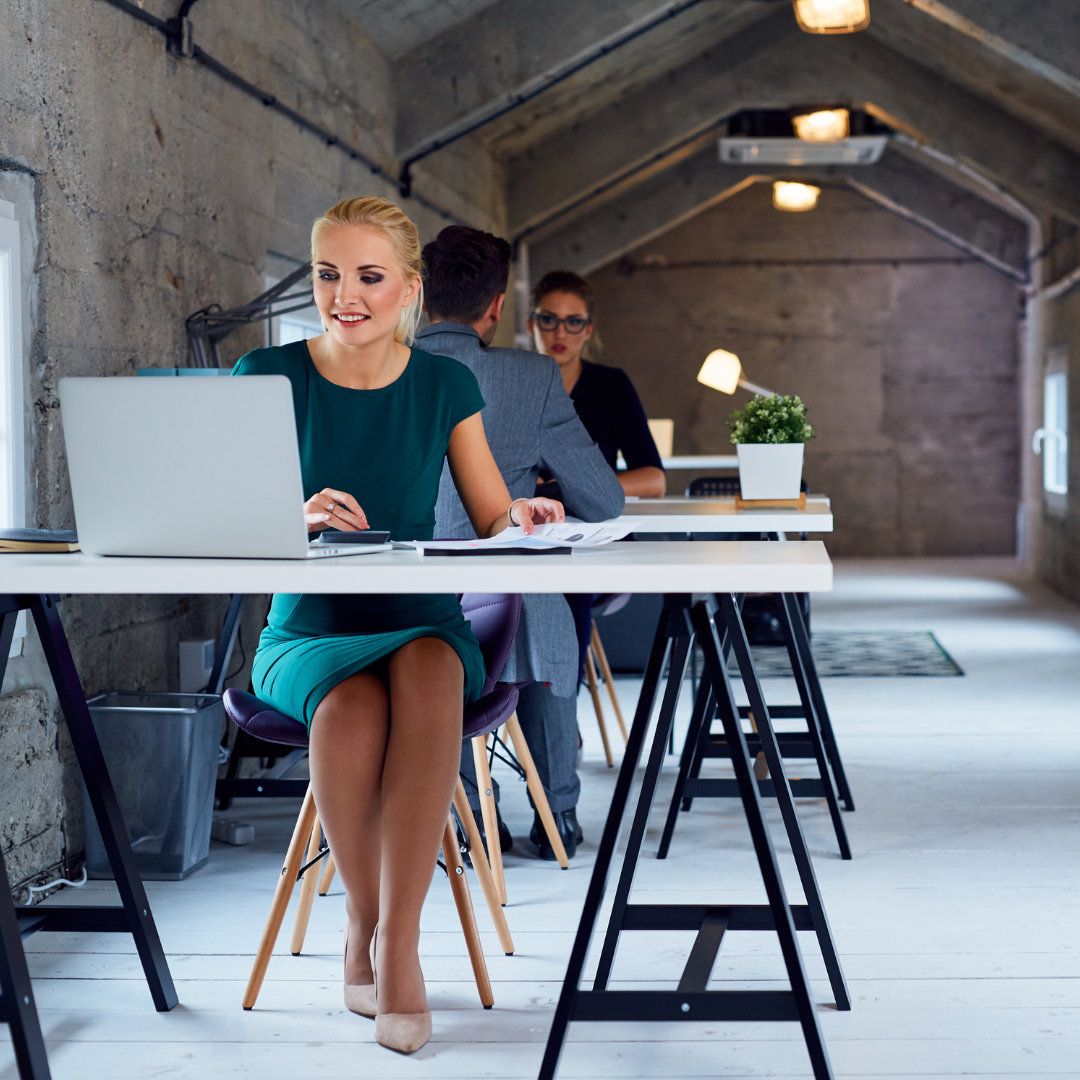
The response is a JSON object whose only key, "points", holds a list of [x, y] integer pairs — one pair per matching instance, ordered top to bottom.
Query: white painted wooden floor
{"points": [[958, 921]]}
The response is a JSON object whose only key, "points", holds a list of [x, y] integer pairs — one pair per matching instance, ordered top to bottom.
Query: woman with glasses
{"points": [[561, 323], [562, 326]]}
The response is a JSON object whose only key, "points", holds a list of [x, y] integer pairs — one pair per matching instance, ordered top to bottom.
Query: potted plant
{"points": [[769, 436]]}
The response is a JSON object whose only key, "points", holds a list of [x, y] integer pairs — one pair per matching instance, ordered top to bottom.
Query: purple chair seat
{"points": [[609, 603], [494, 620]]}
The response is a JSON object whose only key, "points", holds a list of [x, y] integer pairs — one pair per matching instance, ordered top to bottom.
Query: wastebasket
{"points": [[161, 750]]}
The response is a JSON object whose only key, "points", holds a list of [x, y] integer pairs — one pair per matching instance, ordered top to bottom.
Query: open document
{"points": [[558, 538]]}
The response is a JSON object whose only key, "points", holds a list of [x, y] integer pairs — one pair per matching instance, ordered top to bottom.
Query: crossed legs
{"points": [[384, 761]]}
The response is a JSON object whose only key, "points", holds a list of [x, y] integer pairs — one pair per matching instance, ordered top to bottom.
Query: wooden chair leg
{"points": [[605, 671], [594, 693], [536, 789], [490, 815], [294, 859], [455, 868], [483, 870], [327, 874], [307, 890]]}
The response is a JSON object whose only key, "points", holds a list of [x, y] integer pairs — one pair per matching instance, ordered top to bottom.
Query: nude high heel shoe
{"points": [[359, 997], [403, 1032]]}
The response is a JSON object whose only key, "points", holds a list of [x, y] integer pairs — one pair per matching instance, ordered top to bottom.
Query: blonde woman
{"points": [[380, 680]]}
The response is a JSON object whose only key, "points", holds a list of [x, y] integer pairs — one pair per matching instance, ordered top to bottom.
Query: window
{"points": [[298, 322], [1052, 439], [12, 476], [12, 480]]}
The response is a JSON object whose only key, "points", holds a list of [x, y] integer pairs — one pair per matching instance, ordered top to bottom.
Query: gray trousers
{"points": [[549, 724]]}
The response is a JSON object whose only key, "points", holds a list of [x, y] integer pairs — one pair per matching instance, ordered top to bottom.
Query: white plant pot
{"points": [[770, 470]]}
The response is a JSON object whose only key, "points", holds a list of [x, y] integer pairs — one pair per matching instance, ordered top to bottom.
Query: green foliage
{"points": [[771, 420]]}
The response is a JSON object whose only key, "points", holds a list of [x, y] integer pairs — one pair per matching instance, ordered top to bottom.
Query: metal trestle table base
{"points": [[683, 619]]}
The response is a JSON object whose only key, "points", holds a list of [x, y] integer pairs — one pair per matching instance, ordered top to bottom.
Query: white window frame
{"points": [[296, 325], [12, 428], [1052, 439]]}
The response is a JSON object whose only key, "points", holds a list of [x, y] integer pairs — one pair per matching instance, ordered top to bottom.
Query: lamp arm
{"points": [[754, 388]]}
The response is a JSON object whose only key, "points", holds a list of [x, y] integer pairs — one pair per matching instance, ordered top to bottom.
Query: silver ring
{"points": [[330, 507]]}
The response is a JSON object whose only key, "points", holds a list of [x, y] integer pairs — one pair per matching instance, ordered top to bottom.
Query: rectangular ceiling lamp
{"points": [[832, 16], [854, 150]]}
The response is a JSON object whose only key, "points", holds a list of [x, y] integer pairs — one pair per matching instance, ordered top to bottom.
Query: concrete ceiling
{"points": [[396, 26], [586, 102]]}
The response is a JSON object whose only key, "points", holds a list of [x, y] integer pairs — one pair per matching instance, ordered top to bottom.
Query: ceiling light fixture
{"points": [[832, 16], [823, 126], [794, 197]]}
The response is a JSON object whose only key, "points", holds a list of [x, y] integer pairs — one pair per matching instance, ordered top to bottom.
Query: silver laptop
{"points": [[203, 467]]}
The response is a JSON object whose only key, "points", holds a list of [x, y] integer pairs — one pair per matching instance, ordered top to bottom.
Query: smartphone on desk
{"points": [[363, 536]]}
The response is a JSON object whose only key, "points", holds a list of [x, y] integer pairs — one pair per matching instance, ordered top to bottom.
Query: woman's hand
{"points": [[332, 509], [531, 512]]}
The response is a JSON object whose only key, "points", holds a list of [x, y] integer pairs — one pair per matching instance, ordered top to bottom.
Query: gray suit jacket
{"points": [[530, 422]]}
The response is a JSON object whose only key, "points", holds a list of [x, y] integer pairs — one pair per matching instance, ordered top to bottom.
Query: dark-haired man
{"points": [[530, 423]]}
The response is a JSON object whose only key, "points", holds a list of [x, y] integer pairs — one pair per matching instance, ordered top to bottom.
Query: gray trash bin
{"points": [[161, 750]]}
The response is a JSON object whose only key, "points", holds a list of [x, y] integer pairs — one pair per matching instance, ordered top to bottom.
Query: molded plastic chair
{"points": [[721, 487], [494, 619], [598, 670]]}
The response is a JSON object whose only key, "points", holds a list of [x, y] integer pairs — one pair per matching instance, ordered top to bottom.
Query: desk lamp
{"points": [[722, 371]]}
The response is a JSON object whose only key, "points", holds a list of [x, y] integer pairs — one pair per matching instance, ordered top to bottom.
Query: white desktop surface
{"points": [[692, 461], [675, 513], [661, 566]]}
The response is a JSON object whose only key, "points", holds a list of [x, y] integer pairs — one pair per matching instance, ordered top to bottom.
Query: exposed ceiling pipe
{"points": [[183, 45], [534, 88]]}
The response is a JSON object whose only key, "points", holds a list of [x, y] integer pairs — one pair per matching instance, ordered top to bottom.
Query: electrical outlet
{"points": [[196, 664]]}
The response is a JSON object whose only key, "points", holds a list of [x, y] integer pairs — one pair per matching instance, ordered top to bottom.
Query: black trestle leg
{"points": [[788, 611], [729, 614], [680, 654], [817, 696], [700, 721], [755, 818], [138, 918], [16, 996], [568, 996], [17, 1008]]}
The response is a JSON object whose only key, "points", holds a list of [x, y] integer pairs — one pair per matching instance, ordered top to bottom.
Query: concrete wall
{"points": [[157, 189], [907, 363], [1057, 555]]}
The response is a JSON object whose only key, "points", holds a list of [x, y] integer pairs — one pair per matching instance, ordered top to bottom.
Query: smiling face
{"points": [[359, 287], [559, 343]]}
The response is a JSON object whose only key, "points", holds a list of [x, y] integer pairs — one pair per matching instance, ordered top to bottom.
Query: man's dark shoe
{"points": [[569, 832]]}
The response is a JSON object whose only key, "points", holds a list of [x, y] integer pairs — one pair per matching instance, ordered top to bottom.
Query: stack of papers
{"points": [[555, 539]]}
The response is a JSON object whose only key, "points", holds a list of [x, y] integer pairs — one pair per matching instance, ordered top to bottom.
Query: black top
{"points": [[611, 411]]}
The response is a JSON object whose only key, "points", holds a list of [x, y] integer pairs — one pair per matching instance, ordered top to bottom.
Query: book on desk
{"points": [[41, 540]]}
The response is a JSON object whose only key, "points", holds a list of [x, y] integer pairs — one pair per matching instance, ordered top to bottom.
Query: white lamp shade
{"points": [[832, 16], [823, 126], [794, 197], [721, 371]]}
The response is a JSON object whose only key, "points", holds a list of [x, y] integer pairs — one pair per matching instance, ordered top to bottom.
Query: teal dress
{"points": [[386, 448]]}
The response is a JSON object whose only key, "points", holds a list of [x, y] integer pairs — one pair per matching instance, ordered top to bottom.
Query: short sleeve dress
{"points": [[386, 448]]}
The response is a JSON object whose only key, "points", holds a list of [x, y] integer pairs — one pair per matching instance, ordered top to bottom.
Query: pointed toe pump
{"points": [[359, 997], [403, 1032]]}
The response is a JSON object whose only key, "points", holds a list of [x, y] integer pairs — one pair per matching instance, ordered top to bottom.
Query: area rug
{"points": [[862, 653]]}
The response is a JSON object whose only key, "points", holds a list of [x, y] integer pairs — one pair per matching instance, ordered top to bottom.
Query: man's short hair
{"points": [[464, 270]]}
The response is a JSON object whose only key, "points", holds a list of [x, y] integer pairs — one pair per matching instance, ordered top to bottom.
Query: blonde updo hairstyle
{"points": [[404, 239]]}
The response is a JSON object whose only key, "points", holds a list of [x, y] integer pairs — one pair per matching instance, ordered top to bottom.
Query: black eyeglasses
{"points": [[575, 324]]}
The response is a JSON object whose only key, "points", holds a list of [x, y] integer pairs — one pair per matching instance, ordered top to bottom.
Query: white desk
{"points": [[701, 462], [671, 514], [653, 567], [672, 567]]}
